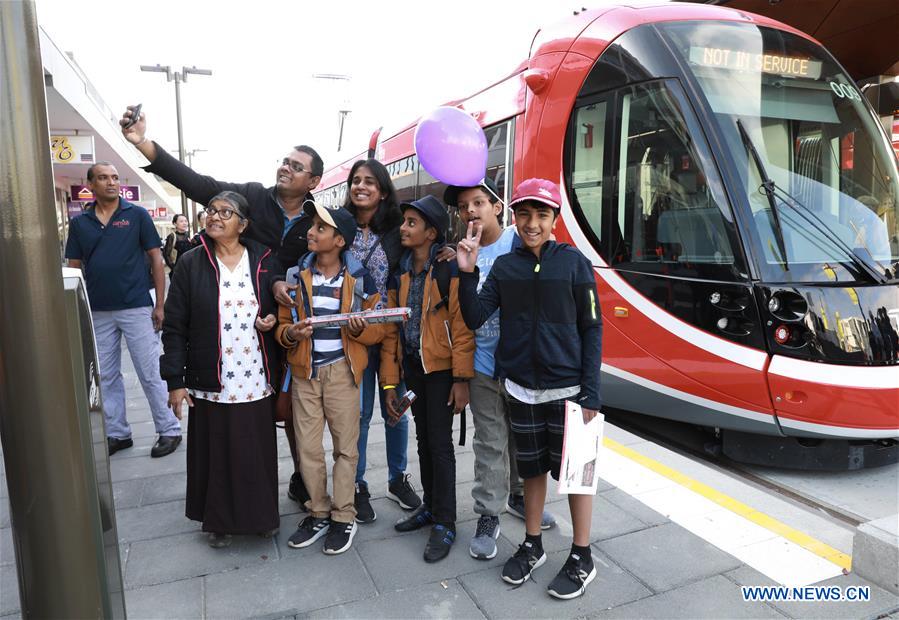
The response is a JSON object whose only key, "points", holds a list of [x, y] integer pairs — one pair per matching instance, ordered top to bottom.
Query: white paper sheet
{"points": [[579, 473]]}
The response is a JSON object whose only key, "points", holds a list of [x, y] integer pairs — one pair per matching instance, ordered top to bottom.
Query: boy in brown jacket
{"points": [[436, 352], [326, 364]]}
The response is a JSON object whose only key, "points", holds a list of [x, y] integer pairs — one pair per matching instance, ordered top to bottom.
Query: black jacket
{"points": [[266, 216], [181, 243], [550, 325], [192, 349]]}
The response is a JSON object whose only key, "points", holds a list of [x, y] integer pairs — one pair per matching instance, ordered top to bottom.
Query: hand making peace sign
{"points": [[467, 254]]}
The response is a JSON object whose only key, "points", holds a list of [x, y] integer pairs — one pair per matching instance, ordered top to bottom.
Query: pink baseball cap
{"points": [[539, 190]]}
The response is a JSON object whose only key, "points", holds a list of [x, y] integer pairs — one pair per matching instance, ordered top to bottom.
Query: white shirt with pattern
{"points": [[243, 371]]}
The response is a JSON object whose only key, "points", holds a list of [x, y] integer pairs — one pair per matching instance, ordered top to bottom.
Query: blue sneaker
{"points": [[515, 507], [415, 521], [439, 543]]}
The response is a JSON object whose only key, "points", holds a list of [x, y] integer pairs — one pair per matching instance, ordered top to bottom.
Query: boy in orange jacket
{"points": [[436, 352], [326, 364]]}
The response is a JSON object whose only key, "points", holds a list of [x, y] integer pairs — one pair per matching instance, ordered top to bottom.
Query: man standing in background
{"points": [[110, 241]]}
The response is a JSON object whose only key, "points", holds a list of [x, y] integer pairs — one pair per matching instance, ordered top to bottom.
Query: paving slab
{"points": [[130, 469], [163, 488], [127, 494], [634, 506], [4, 513], [154, 521], [7, 552], [875, 552], [667, 556], [173, 558], [397, 562], [302, 581], [9, 590], [715, 597], [179, 599], [445, 599], [497, 599]]}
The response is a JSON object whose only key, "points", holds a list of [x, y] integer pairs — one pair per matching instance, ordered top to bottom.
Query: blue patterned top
{"points": [[377, 264], [412, 327]]}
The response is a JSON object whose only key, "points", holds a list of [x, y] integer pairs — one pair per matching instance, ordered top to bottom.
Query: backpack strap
{"points": [[442, 273]]}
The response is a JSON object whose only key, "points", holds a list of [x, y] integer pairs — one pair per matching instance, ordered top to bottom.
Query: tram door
{"points": [[648, 194]]}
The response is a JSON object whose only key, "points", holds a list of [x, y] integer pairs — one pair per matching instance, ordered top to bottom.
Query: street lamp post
{"points": [[177, 77], [341, 114], [193, 204]]}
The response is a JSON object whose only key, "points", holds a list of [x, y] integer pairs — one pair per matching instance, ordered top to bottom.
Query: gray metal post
{"points": [[180, 137], [47, 471]]}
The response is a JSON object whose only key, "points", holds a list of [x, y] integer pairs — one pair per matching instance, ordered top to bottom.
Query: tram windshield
{"points": [[838, 198]]}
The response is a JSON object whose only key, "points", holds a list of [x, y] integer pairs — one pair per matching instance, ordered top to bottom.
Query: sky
{"points": [[403, 59]]}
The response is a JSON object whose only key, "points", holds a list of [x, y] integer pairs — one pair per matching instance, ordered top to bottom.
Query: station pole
{"points": [[39, 428]]}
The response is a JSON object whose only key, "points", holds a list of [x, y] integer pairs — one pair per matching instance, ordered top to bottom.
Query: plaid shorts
{"points": [[538, 431]]}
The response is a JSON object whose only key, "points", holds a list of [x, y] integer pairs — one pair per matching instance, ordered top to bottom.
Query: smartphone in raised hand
{"points": [[135, 116]]}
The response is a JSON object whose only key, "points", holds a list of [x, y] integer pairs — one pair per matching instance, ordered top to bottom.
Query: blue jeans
{"points": [[397, 437]]}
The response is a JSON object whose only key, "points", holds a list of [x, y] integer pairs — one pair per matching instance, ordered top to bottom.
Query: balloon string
{"points": [[492, 193]]}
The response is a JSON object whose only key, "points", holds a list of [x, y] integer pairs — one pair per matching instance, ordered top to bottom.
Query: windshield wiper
{"points": [[768, 186], [771, 190], [854, 255]]}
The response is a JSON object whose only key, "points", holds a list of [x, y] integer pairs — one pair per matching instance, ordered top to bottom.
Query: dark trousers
{"points": [[434, 434]]}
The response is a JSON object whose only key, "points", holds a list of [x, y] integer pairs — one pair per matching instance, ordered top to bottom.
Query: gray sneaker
{"points": [[515, 506], [483, 544]]}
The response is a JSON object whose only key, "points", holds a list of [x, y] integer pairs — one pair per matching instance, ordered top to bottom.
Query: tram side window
{"points": [[588, 147], [404, 174], [665, 217]]}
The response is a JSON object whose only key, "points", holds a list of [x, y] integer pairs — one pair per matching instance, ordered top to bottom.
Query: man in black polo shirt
{"points": [[276, 214], [110, 241]]}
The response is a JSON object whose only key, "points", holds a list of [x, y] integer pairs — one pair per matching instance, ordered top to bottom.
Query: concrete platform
{"points": [[651, 545]]}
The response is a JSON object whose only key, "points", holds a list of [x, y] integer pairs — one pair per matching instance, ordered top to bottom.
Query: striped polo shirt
{"points": [[327, 346]]}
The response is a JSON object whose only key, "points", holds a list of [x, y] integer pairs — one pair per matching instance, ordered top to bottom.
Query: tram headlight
{"points": [[773, 304], [722, 323]]}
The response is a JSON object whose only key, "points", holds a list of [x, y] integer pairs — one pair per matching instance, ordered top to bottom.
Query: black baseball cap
{"points": [[451, 195], [433, 212], [339, 218]]}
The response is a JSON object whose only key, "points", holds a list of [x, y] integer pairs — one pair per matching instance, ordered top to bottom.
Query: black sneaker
{"points": [[297, 490], [401, 491], [515, 507], [364, 512], [415, 521], [309, 530], [339, 538], [439, 543], [519, 567], [573, 579]]}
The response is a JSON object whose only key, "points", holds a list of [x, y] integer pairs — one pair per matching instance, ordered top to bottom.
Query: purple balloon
{"points": [[452, 147]]}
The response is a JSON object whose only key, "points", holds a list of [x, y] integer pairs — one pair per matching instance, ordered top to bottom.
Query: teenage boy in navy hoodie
{"points": [[549, 351], [436, 353]]}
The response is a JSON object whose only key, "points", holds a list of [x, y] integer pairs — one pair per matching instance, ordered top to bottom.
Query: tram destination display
{"points": [[738, 60]]}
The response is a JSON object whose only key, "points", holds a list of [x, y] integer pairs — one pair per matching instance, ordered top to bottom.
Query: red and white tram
{"points": [[739, 201]]}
